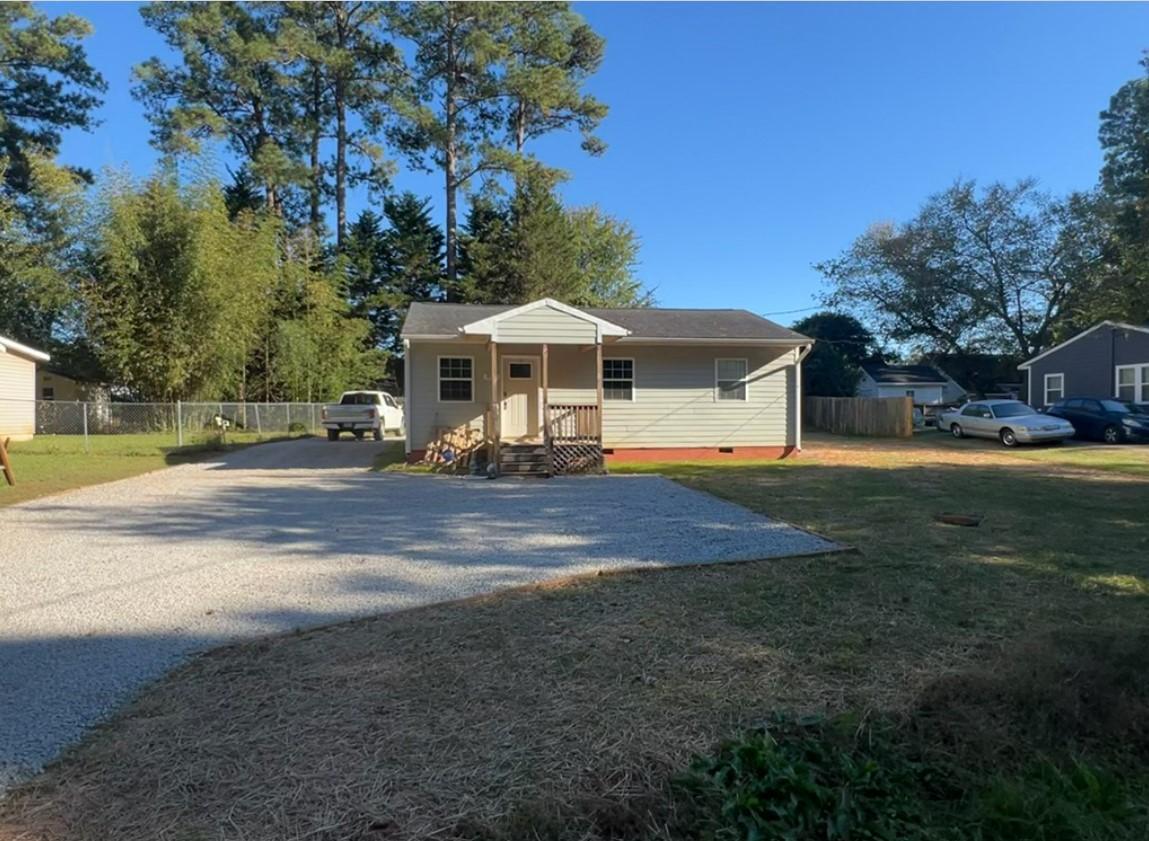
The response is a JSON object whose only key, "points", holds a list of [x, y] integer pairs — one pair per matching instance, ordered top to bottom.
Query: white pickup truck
{"points": [[360, 412]]}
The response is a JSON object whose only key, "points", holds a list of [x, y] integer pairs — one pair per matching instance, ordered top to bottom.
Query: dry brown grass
{"points": [[562, 711]]}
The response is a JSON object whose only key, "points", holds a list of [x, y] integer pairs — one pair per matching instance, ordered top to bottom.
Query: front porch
{"points": [[529, 432]]}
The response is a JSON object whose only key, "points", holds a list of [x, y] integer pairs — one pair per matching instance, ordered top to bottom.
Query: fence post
{"points": [[84, 414], [289, 417], [179, 423], [258, 426]]}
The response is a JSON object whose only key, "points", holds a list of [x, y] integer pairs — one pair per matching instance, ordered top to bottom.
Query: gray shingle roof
{"points": [[644, 323], [903, 374]]}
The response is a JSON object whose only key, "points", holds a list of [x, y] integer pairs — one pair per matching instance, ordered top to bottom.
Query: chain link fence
{"points": [[182, 422]]}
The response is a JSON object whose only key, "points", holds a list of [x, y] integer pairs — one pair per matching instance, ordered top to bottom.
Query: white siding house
{"points": [[643, 383], [924, 384], [18, 388]]}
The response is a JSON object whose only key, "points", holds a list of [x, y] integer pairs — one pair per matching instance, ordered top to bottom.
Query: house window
{"points": [[519, 370], [456, 379], [618, 379], [730, 379], [1133, 383], [1054, 388], [48, 393], [910, 393]]}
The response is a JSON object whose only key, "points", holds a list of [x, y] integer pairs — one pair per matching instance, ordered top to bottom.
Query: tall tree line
{"points": [[310, 101]]}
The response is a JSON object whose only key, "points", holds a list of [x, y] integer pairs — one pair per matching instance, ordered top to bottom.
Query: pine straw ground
{"points": [[563, 711]]}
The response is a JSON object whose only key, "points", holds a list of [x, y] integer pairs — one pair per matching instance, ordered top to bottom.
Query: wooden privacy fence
{"points": [[880, 417]]}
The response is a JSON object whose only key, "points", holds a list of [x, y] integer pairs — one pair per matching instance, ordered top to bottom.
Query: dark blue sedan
{"points": [[1111, 421]]}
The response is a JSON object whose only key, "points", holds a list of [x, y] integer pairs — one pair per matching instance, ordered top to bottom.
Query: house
{"points": [[1110, 359], [53, 384], [924, 384], [574, 385], [18, 388]]}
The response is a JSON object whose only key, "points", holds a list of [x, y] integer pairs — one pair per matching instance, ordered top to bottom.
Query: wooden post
{"points": [[598, 393], [547, 412], [494, 432], [8, 474]]}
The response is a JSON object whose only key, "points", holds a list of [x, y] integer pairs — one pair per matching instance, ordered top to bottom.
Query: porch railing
{"points": [[574, 437]]}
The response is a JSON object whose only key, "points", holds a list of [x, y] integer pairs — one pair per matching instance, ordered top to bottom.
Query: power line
{"points": [[791, 312]]}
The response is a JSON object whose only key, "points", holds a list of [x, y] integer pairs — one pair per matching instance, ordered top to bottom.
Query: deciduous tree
{"points": [[995, 269]]}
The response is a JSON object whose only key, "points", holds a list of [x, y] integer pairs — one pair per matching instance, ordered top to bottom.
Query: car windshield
{"points": [[358, 398], [1011, 410]]}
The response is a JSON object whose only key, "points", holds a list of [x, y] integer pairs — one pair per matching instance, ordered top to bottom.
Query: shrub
{"points": [[297, 428], [806, 779]]}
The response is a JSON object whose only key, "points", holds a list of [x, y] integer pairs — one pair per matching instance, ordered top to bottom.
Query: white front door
{"points": [[520, 409]]}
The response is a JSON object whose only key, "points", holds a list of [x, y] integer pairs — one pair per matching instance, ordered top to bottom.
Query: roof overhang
{"points": [[1119, 325], [490, 326], [670, 340], [10, 346]]}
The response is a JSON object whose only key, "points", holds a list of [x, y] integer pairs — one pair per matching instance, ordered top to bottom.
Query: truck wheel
{"points": [[379, 434], [333, 435]]}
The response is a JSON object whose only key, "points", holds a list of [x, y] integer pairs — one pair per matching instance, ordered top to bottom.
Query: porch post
{"points": [[598, 387], [547, 411], [493, 432]]}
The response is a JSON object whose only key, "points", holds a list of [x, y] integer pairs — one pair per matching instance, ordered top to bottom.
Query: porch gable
{"points": [[545, 321]]}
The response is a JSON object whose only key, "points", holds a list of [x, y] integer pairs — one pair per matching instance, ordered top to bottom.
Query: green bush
{"points": [[297, 428], [806, 779]]}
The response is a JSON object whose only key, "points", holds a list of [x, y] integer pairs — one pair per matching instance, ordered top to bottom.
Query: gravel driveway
{"points": [[105, 588]]}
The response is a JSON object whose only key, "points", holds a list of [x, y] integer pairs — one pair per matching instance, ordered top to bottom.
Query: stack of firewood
{"points": [[454, 447]]}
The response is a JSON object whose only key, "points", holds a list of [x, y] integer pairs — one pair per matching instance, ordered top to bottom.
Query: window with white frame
{"points": [[456, 379], [618, 379], [730, 379], [1133, 383], [1054, 388]]}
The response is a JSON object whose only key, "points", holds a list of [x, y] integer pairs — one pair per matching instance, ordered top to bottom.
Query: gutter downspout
{"points": [[802, 354]]}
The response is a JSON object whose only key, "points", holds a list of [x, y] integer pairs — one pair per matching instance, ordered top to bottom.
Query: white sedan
{"points": [[1010, 421]]}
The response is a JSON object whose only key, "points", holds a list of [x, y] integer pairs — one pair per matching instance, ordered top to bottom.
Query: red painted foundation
{"points": [[698, 453], [416, 456]]}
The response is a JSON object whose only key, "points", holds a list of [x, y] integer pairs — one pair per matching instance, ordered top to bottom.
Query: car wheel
{"points": [[955, 430], [378, 434], [333, 435], [1111, 435], [1008, 438]]}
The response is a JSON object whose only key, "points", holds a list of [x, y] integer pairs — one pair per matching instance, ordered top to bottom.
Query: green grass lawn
{"points": [[52, 463], [997, 675]]}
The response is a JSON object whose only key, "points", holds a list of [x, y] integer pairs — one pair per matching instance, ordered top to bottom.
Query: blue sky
{"points": [[747, 142]]}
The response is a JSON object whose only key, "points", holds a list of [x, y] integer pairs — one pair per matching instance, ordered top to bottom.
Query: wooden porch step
{"points": [[524, 460]]}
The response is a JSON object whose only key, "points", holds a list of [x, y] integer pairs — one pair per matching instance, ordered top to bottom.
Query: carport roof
{"points": [[433, 319]]}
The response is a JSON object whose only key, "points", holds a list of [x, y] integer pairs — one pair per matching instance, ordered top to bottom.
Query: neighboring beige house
{"points": [[52, 385], [565, 387], [18, 388]]}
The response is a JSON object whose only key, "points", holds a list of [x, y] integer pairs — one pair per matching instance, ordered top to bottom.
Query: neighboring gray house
{"points": [[1110, 359], [549, 378], [924, 384]]}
